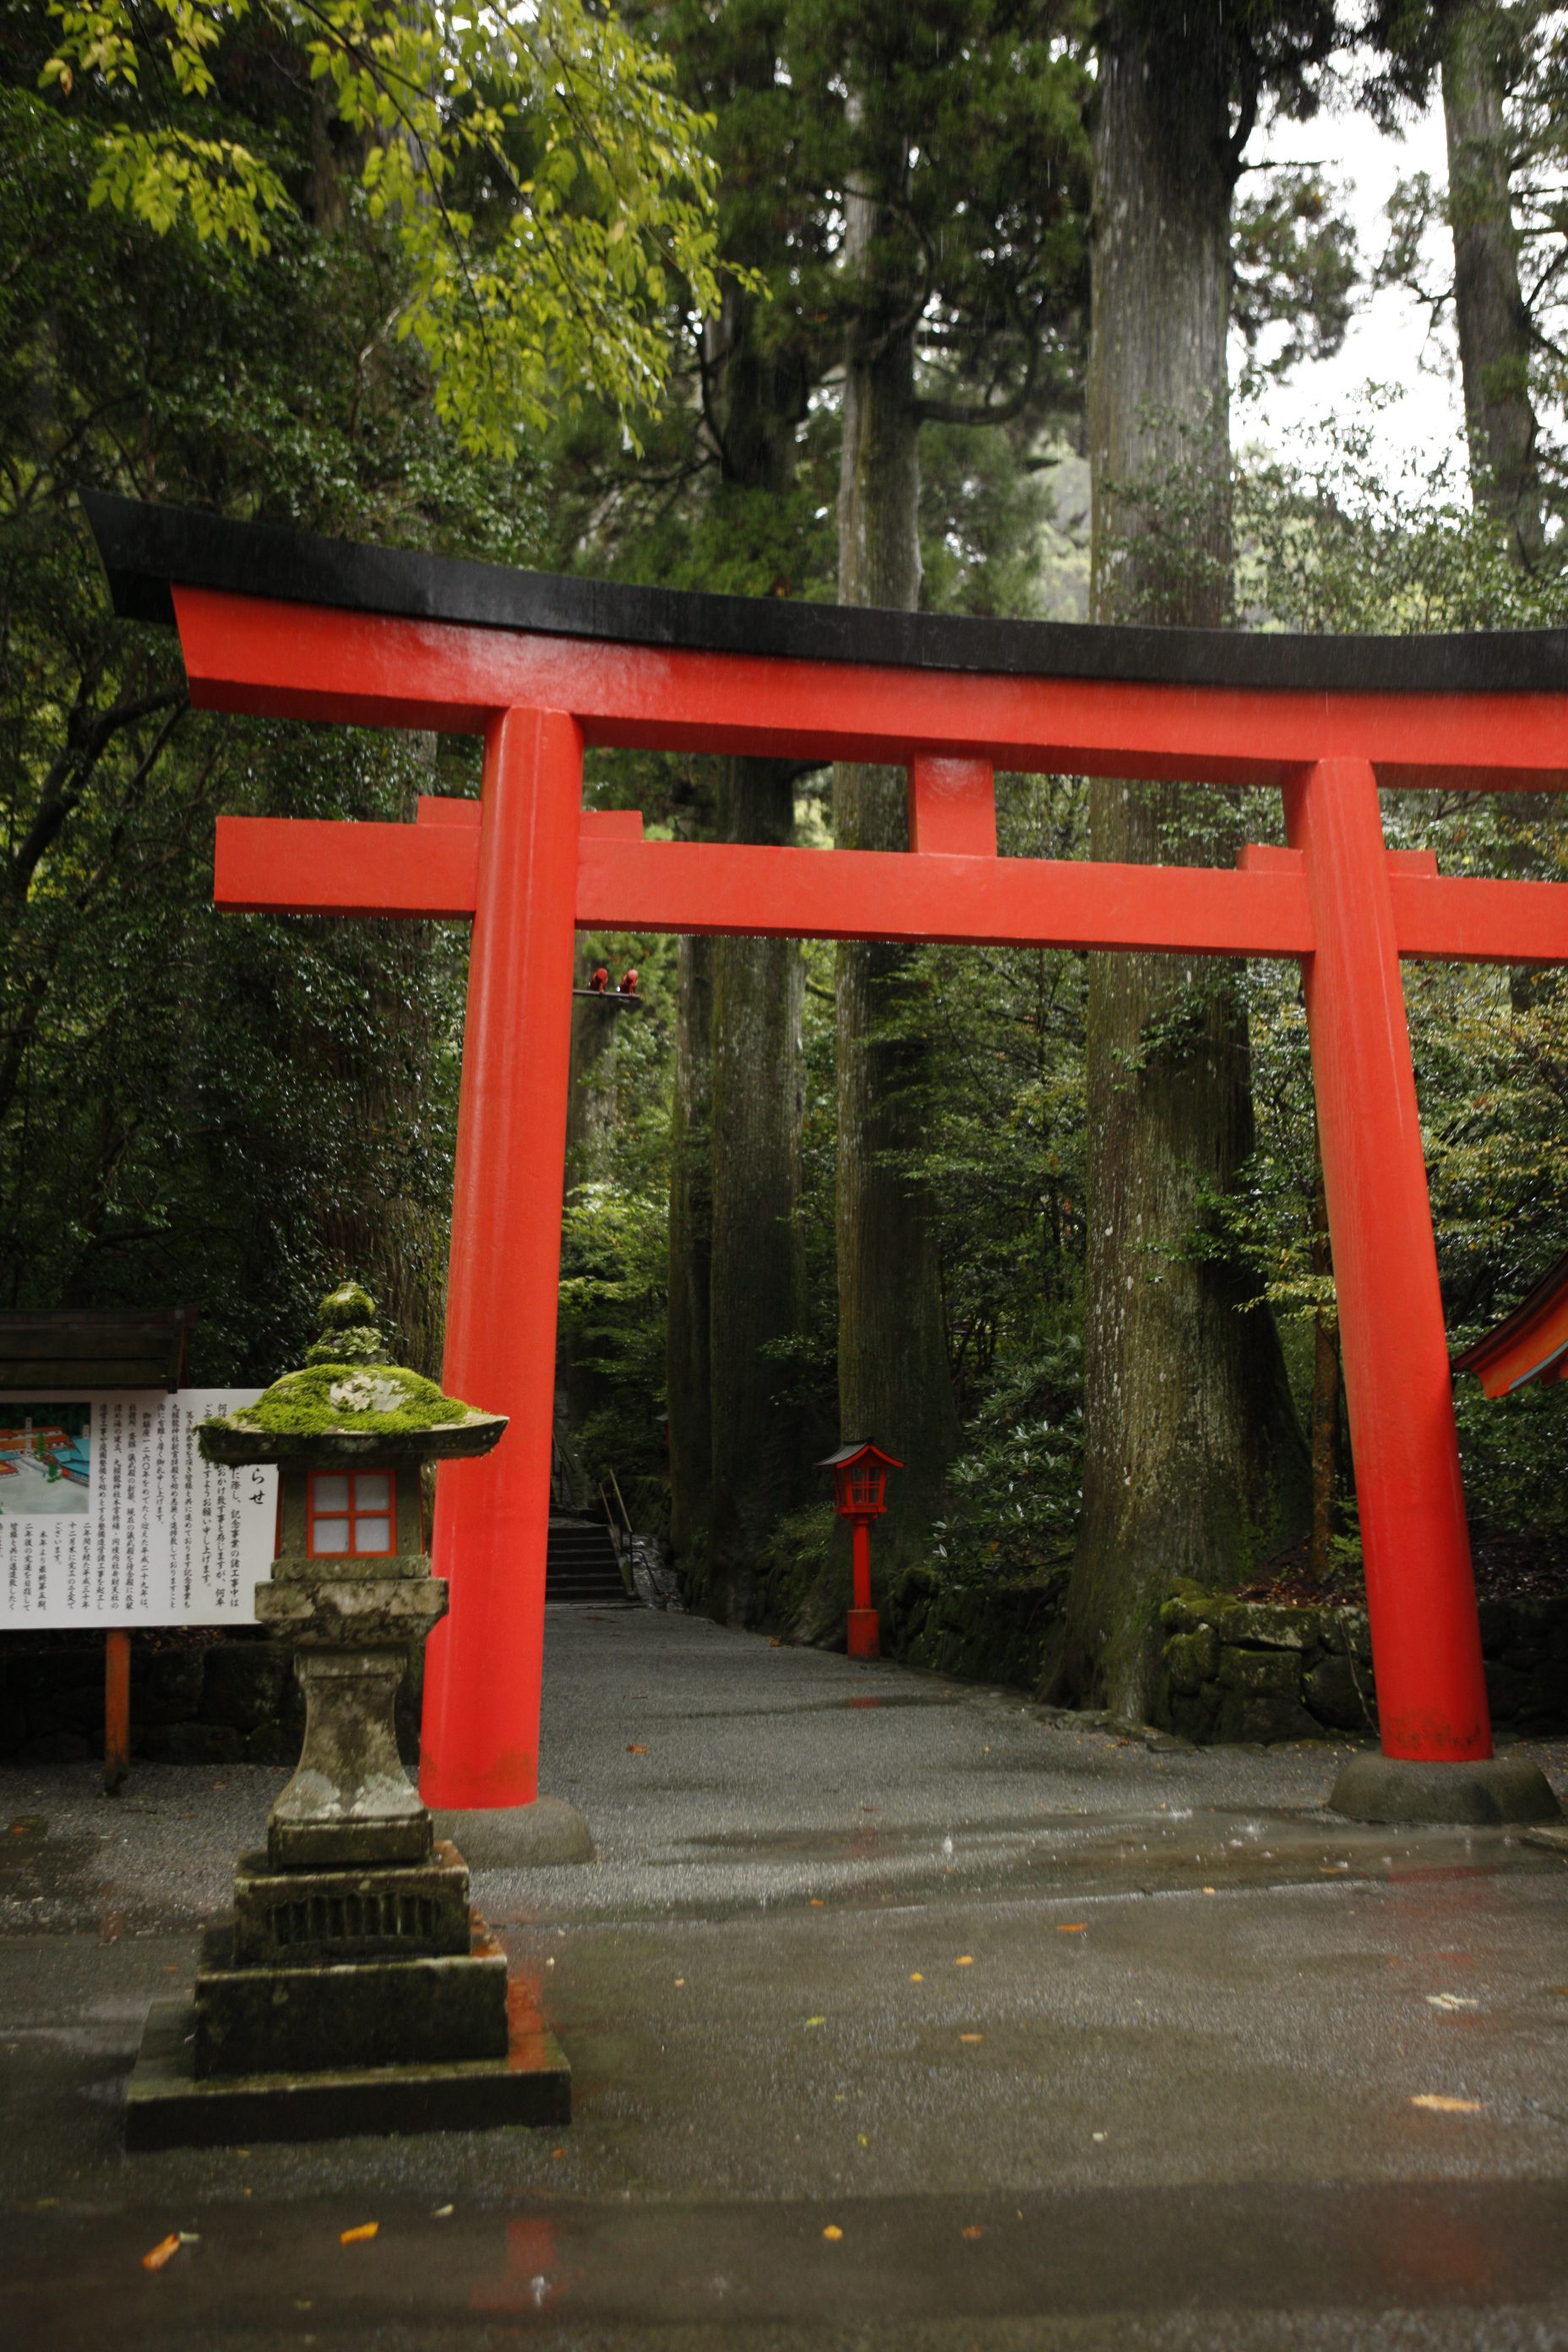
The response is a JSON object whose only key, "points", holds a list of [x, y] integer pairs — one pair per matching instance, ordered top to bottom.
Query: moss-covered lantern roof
{"points": [[349, 1403]]}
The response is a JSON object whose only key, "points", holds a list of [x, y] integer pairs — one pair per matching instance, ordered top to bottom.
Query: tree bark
{"points": [[1493, 324], [756, 398], [758, 1081], [690, 1250], [893, 1380], [1326, 1385], [1195, 1462]]}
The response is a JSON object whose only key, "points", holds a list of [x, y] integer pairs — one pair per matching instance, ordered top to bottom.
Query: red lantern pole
{"points": [[864, 1624]]}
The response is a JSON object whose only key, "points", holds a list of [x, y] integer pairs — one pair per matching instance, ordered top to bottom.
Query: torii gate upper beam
{"points": [[541, 668]]}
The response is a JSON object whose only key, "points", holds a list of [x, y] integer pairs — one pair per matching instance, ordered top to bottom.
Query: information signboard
{"points": [[108, 1516]]}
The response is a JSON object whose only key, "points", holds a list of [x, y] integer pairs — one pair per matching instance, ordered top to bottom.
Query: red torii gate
{"points": [[277, 624]]}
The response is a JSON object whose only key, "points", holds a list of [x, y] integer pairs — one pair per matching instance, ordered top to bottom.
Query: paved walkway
{"points": [[901, 2013]]}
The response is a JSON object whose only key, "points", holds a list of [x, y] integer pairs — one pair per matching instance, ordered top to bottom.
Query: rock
{"points": [[1188, 1608], [1269, 1625], [1496, 1627], [1347, 1632], [1193, 1659], [1274, 1673], [244, 1684], [166, 1685], [1331, 1692], [1508, 1692], [205, 1743], [273, 1743], [57, 1748]]}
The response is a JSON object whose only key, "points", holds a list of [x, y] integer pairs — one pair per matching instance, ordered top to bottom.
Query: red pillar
{"points": [[1421, 1600], [483, 1665], [115, 1709]]}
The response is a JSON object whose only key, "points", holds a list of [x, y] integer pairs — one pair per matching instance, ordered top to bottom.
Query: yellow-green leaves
{"points": [[543, 185]]}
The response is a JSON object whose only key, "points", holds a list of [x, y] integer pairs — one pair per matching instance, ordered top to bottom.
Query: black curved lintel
{"points": [[147, 551]]}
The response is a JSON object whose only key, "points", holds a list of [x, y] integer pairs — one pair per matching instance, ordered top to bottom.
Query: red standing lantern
{"points": [[859, 1490]]}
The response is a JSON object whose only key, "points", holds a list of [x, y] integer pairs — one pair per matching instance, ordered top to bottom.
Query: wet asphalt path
{"points": [[1069, 2041]]}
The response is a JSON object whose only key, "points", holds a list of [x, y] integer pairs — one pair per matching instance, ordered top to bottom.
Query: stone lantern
{"points": [[355, 1984]]}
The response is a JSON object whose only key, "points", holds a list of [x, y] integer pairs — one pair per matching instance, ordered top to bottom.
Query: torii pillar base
{"points": [[864, 1627], [1483, 1794]]}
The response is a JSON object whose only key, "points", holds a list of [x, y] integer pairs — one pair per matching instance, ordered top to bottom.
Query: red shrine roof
{"points": [[1530, 1344]]}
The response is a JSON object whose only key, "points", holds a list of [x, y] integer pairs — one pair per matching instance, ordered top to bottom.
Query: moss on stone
{"points": [[349, 1304], [349, 1333], [370, 1400]]}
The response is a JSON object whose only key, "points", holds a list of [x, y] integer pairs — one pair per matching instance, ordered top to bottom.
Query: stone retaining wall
{"points": [[985, 1634], [1265, 1671], [232, 1701]]}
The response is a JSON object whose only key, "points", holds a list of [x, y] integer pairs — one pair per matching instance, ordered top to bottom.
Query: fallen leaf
{"points": [[632, 1750], [1210, 1890], [816, 1902], [1072, 1928], [964, 1961], [915, 1977], [680, 1980], [817, 2021], [971, 2037], [1439, 2103], [863, 2139], [557, 2151], [443, 2213], [971, 2230], [833, 2232], [357, 2237], [164, 2251]]}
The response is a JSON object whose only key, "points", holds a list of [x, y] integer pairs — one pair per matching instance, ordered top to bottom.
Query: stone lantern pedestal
{"points": [[353, 1990]]}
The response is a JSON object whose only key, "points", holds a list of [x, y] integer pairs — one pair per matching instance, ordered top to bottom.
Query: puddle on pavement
{"points": [[1144, 1853], [1294, 2247]]}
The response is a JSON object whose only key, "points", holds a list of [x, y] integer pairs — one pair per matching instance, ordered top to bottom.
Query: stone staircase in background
{"points": [[580, 1564]]}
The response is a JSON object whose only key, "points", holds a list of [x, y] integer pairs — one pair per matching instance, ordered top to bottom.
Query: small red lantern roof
{"points": [[1530, 1344], [848, 1453]]}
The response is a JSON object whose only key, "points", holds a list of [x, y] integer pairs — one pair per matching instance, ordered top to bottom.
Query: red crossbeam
{"points": [[301, 661], [297, 866]]}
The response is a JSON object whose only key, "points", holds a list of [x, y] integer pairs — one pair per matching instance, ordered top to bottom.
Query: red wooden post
{"points": [[1426, 1653], [485, 1660], [115, 1709]]}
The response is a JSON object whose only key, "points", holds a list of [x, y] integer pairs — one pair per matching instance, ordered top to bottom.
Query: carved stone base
{"points": [[314, 1919], [297, 2020], [167, 2106]]}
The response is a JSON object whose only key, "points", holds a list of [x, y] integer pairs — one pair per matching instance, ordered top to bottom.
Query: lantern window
{"points": [[350, 1514]]}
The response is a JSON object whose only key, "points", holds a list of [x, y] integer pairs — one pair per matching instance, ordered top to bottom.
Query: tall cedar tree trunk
{"points": [[1494, 328], [757, 1070], [758, 1103], [394, 1244], [690, 1248], [893, 1380], [1195, 1463]]}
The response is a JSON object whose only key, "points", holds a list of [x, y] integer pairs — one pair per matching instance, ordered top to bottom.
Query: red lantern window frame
{"points": [[861, 1488], [353, 1512]]}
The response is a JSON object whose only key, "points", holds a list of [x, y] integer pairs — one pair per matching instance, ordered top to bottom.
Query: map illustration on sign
{"points": [[45, 1460]]}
